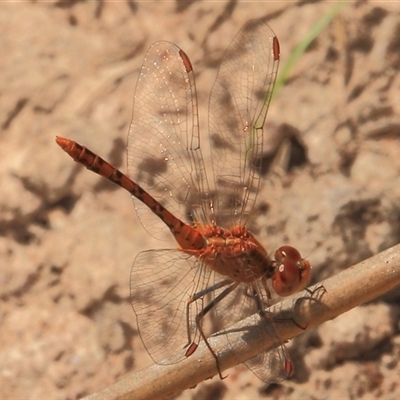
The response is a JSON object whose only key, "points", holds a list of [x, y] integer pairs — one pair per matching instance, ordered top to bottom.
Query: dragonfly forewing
{"points": [[238, 107], [164, 153]]}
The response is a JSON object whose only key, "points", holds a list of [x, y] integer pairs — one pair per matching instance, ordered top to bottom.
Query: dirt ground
{"points": [[68, 238]]}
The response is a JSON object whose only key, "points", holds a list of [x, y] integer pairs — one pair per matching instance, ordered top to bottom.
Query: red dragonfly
{"points": [[223, 270]]}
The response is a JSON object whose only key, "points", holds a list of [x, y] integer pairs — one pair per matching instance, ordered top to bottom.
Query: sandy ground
{"points": [[68, 238]]}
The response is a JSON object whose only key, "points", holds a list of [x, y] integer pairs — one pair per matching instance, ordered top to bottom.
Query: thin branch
{"points": [[352, 287]]}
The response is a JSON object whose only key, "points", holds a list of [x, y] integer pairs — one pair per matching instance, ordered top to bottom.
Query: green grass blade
{"points": [[303, 45]]}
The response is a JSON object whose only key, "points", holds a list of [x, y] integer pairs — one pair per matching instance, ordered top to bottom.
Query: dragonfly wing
{"points": [[238, 107], [164, 154], [162, 281], [246, 300], [269, 366]]}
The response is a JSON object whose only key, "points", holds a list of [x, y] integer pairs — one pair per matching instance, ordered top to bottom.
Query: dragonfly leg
{"points": [[255, 294], [206, 309], [190, 344], [288, 365]]}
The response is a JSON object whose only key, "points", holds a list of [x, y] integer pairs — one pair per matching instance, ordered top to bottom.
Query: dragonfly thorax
{"points": [[236, 254]]}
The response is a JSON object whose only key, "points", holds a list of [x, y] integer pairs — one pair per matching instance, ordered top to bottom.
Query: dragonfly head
{"points": [[292, 271]]}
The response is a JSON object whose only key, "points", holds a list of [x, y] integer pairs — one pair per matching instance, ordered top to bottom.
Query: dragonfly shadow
{"points": [[308, 304]]}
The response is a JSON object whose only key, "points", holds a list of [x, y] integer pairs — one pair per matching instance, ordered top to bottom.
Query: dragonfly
{"points": [[219, 267]]}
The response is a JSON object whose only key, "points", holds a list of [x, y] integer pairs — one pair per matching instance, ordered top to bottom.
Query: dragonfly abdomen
{"points": [[186, 236]]}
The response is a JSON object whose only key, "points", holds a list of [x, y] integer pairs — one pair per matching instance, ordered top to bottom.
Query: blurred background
{"points": [[68, 238]]}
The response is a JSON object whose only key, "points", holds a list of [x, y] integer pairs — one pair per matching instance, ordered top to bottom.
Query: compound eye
{"points": [[292, 272]]}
